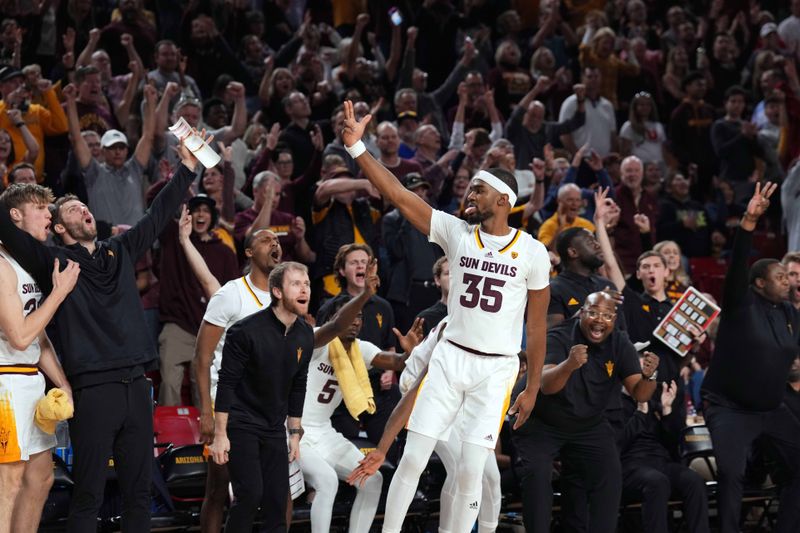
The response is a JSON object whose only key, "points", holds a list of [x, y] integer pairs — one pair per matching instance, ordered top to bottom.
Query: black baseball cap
{"points": [[9, 73], [414, 180]]}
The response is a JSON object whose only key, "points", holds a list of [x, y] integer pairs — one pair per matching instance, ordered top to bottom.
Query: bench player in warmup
{"points": [[495, 272], [26, 471]]}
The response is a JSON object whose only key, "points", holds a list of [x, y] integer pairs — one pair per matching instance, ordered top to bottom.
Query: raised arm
{"points": [[85, 56], [123, 110], [239, 119], [31, 145], [145, 145], [79, 146], [411, 206], [601, 212], [198, 265], [736, 281]]}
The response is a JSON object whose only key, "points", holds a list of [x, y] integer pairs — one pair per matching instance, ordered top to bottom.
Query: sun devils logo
{"points": [[514, 255], [379, 318], [300, 354], [609, 368]]}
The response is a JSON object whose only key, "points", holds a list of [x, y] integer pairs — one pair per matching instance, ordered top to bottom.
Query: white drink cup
{"points": [[195, 144]]}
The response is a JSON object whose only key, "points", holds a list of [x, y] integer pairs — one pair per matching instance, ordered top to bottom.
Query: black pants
{"points": [[421, 296], [112, 419], [733, 432], [592, 452], [259, 472], [653, 482]]}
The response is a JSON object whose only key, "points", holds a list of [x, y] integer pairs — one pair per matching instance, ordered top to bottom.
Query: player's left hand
{"points": [[353, 129], [410, 340], [523, 407], [366, 468]]}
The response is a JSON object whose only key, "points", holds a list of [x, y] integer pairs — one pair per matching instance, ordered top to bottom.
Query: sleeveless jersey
{"points": [[490, 277], [30, 296], [237, 299], [323, 394]]}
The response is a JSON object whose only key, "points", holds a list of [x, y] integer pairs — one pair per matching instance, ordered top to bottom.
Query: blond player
{"points": [[495, 272], [26, 469]]}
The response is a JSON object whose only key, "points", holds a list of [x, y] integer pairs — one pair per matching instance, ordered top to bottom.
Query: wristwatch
{"points": [[651, 378]]}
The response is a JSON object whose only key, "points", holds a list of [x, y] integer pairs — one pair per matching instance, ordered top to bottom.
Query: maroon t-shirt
{"points": [[280, 223], [181, 299]]}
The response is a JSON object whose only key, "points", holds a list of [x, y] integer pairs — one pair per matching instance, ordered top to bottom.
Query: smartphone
{"points": [[395, 16]]}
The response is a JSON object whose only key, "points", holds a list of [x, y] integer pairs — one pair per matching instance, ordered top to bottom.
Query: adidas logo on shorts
{"points": [[489, 438], [473, 505]]}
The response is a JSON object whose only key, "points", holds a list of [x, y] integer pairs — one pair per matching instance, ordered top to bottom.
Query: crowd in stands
{"points": [[676, 109]]}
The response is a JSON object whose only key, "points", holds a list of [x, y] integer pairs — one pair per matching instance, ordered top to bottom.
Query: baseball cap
{"points": [[767, 28], [9, 73], [112, 137], [414, 180], [200, 199]]}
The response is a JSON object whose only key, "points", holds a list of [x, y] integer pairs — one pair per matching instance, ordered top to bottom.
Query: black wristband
{"points": [[19, 125], [294, 431]]}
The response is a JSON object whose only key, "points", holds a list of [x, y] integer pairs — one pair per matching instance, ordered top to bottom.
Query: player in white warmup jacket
{"points": [[495, 272], [325, 454]]}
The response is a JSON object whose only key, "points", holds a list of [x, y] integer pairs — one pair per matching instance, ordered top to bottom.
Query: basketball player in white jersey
{"points": [[495, 271], [237, 299], [448, 451], [326, 456], [26, 469]]}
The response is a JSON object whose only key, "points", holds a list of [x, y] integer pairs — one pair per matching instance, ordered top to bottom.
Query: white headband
{"points": [[497, 184]]}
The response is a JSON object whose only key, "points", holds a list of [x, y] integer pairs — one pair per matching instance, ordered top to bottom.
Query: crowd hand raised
{"points": [[353, 129], [316, 138], [225, 151], [642, 222], [298, 228], [64, 280], [372, 280], [668, 394]]}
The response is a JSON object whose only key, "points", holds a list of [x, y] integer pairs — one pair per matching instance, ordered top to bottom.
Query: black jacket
{"points": [[100, 326], [756, 344]]}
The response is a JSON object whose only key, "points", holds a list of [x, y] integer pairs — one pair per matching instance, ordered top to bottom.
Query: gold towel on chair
{"points": [[351, 372], [51, 409]]}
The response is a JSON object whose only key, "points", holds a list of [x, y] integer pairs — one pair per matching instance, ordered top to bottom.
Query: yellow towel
{"points": [[352, 376], [51, 409]]}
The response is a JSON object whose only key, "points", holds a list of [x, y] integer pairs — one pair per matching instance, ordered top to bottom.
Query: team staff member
{"points": [[581, 256], [237, 299], [99, 334], [586, 360], [262, 382], [743, 389], [26, 471]]}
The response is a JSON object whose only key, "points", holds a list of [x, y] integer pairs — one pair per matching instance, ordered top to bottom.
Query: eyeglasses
{"points": [[594, 315]]}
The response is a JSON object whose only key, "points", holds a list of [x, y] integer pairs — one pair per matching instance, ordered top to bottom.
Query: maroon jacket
{"points": [[627, 239], [181, 298]]}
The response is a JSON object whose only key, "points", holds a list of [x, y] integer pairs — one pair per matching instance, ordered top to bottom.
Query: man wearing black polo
{"points": [[581, 256], [99, 333], [587, 360], [744, 385], [262, 386]]}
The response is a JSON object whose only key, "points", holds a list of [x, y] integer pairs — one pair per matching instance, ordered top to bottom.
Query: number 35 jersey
{"points": [[490, 277], [30, 296], [323, 394]]}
